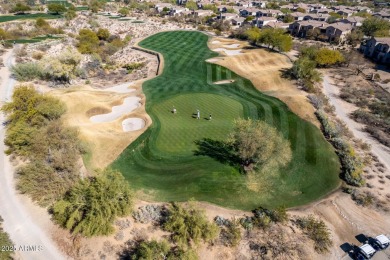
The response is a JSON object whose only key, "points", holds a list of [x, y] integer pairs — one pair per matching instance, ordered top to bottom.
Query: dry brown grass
{"points": [[264, 69], [105, 140]]}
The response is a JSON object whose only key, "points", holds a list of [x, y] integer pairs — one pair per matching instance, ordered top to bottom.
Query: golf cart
{"points": [[380, 242], [365, 251]]}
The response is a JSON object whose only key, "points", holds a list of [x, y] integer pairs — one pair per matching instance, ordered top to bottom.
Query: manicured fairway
{"points": [[7, 18], [161, 163]]}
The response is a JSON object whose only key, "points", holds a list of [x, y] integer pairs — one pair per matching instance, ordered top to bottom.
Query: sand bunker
{"points": [[215, 42], [236, 45], [229, 52], [214, 59], [227, 81], [122, 88], [129, 104], [132, 124]]}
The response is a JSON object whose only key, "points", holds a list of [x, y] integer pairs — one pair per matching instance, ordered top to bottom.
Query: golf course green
{"points": [[164, 163]]}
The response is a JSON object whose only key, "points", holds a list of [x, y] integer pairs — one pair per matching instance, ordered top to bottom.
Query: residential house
{"points": [[244, 4], [259, 4], [163, 6], [178, 10], [321, 11], [248, 12], [345, 12], [203, 13], [269, 13], [385, 14], [227, 16], [298, 16], [317, 17], [238, 21], [355, 21], [260, 22], [276, 25], [303, 29], [337, 32], [377, 48]]}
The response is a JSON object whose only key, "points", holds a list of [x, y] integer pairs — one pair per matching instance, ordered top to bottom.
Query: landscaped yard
{"points": [[161, 164]]}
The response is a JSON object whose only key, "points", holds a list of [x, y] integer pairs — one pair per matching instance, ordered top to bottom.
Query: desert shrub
{"points": [[103, 34], [37, 55], [133, 66], [26, 71], [36, 133], [352, 164], [90, 207], [263, 217], [189, 224], [317, 231], [230, 234], [5, 242], [151, 250]]}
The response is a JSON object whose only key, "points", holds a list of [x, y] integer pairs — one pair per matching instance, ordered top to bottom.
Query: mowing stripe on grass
{"points": [[162, 163]]}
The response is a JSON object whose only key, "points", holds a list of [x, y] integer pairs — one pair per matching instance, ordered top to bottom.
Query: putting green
{"points": [[179, 131], [162, 163]]}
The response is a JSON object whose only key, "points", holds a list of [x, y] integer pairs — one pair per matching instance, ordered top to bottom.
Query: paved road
{"points": [[381, 151], [31, 240]]}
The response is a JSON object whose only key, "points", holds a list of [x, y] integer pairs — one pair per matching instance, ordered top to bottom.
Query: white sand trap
{"points": [[215, 42], [236, 45], [229, 52], [214, 59], [227, 81], [122, 88], [129, 104], [132, 124]]}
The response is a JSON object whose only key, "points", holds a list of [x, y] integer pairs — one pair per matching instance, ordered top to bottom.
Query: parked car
{"points": [[380, 242], [365, 251]]}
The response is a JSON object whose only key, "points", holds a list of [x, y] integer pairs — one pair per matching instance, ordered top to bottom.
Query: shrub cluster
{"points": [[100, 43], [133, 66], [61, 68], [35, 133], [352, 164], [91, 205], [189, 225], [317, 231], [5, 242]]}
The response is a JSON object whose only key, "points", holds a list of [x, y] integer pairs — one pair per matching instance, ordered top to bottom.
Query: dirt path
{"points": [[342, 110], [26, 223]]}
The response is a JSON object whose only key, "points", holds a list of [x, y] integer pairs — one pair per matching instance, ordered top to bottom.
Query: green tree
{"points": [[191, 5], [20, 8], [56, 8], [301, 10], [375, 26], [103, 34], [253, 34], [355, 37], [276, 38], [88, 41], [326, 57], [259, 145], [91, 206], [189, 225]]}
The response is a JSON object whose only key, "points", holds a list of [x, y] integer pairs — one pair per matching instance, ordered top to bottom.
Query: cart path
{"points": [[332, 92], [25, 222]]}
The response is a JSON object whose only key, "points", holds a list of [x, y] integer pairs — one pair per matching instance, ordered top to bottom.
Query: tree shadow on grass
{"points": [[219, 151]]}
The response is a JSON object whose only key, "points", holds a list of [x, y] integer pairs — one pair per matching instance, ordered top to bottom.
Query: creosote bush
{"points": [[189, 225], [317, 231]]}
